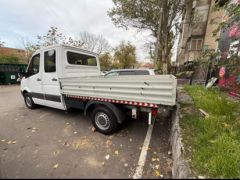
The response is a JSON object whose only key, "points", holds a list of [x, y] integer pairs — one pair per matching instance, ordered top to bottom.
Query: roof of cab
{"points": [[65, 46]]}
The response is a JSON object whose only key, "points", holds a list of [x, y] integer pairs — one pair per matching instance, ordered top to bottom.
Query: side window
{"points": [[81, 59], [50, 61], [33, 67], [142, 72], [126, 73]]}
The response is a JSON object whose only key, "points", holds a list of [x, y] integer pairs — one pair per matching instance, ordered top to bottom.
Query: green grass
{"points": [[213, 143]]}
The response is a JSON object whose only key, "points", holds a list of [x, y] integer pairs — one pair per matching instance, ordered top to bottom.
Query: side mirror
{"points": [[22, 72]]}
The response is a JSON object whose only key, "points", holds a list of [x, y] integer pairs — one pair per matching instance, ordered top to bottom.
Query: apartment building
{"points": [[198, 24]]}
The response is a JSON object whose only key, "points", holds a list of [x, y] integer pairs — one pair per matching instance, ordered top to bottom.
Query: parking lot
{"points": [[50, 143]]}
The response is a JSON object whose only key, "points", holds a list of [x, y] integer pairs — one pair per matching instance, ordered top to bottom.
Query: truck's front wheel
{"points": [[29, 102], [104, 120]]}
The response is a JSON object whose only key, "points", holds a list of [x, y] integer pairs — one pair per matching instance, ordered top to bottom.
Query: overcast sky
{"points": [[29, 18]]}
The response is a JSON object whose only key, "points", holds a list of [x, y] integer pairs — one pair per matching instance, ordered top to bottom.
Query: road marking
{"points": [[143, 155]]}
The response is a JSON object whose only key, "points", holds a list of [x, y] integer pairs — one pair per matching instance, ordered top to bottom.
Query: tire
{"points": [[29, 102], [104, 120]]}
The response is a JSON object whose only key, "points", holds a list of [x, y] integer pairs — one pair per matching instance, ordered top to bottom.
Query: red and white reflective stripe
{"points": [[114, 101]]}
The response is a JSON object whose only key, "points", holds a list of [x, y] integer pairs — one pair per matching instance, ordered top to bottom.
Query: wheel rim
{"points": [[28, 101], [102, 120]]}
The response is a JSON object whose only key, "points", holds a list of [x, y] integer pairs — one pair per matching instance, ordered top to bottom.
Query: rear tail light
{"points": [[154, 112]]}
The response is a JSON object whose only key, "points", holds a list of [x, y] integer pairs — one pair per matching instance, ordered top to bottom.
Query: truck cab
{"points": [[47, 65]]}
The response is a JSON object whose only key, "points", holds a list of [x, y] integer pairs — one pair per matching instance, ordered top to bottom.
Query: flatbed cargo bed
{"points": [[156, 89]]}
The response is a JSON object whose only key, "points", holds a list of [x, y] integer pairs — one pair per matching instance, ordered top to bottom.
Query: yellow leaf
{"points": [[225, 125], [116, 152], [154, 159], [55, 166], [157, 173]]}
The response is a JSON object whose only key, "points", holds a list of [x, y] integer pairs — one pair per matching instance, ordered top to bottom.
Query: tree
{"points": [[159, 16], [232, 16], [53, 37], [91, 42], [94, 43], [2, 44], [29, 47], [125, 55], [106, 61]]}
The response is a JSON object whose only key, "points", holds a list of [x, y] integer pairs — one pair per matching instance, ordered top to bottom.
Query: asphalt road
{"points": [[50, 143]]}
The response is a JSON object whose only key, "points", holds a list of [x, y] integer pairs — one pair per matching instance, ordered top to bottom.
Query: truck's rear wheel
{"points": [[29, 102], [104, 120]]}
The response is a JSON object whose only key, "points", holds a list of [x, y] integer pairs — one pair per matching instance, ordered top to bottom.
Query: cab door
{"points": [[34, 79], [50, 81]]}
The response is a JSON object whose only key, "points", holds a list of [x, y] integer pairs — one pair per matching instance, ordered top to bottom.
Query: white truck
{"points": [[66, 77]]}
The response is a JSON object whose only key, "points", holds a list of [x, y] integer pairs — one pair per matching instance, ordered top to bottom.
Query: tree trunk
{"points": [[165, 35], [158, 44]]}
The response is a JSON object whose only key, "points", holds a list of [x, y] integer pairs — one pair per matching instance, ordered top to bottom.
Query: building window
{"points": [[196, 44]]}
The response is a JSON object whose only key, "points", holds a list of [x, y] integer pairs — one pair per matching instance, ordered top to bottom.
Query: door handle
{"points": [[38, 79], [54, 79]]}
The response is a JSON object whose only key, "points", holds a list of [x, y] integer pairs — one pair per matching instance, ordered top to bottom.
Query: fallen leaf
{"points": [[67, 123], [225, 125], [93, 129], [33, 131], [75, 132], [130, 139], [3, 140], [9, 142], [14, 142], [108, 143], [116, 152], [154, 152], [55, 153], [107, 157], [154, 159], [103, 163], [125, 164], [55, 166], [157, 167], [157, 173]]}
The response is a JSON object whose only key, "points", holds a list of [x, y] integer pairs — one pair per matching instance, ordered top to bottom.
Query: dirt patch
{"points": [[81, 143]]}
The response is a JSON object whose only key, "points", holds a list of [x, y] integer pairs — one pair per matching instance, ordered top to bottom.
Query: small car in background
{"points": [[122, 72]]}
